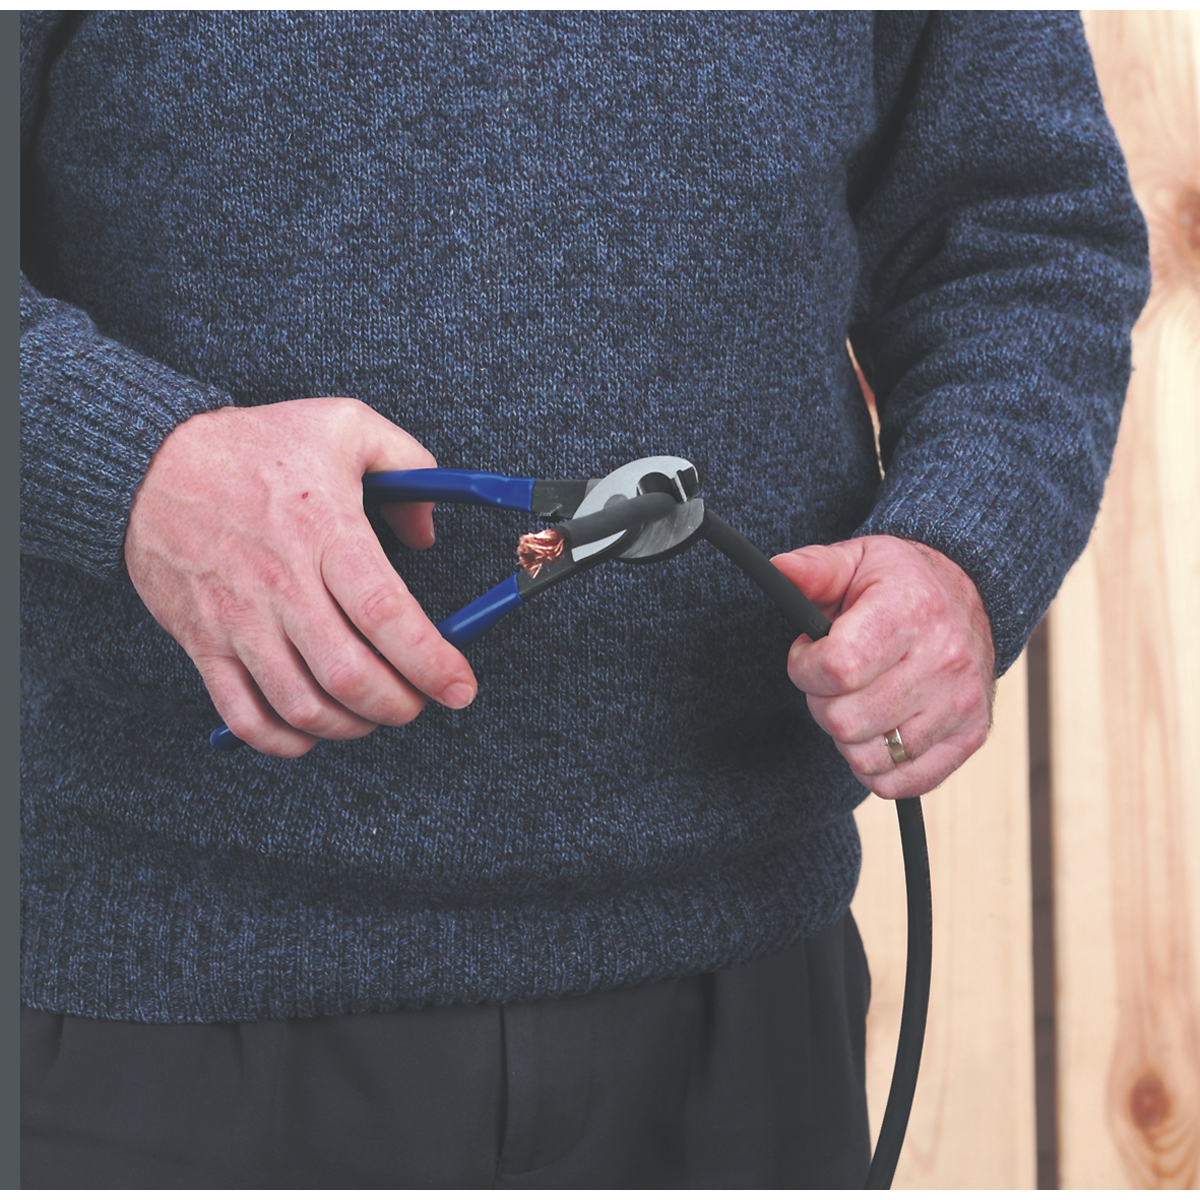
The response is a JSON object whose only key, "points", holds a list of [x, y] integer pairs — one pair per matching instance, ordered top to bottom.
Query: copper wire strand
{"points": [[536, 550]]}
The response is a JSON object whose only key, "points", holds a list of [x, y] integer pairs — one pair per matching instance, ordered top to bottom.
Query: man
{"points": [[583, 920]]}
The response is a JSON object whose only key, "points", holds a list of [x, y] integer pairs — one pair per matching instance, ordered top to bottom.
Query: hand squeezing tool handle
{"points": [[642, 512]]}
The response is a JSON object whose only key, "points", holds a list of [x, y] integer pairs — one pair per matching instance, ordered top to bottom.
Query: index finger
{"points": [[379, 605], [869, 638]]}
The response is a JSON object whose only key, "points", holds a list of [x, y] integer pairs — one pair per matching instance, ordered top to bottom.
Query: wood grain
{"points": [[1125, 681], [973, 1116]]}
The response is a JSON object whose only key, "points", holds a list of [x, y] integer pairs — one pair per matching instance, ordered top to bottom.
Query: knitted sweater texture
{"points": [[544, 245]]}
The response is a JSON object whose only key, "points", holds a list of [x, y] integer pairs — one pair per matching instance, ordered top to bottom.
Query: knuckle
{"points": [[345, 409], [274, 576], [923, 595], [930, 596], [381, 605], [239, 606], [229, 610], [422, 649], [956, 650], [211, 657], [845, 666], [347, 680], [966, 705], [969, 707], [406, 710], [302, 712], [245, 725], [841, 726], [974, 739], [859, 760]]}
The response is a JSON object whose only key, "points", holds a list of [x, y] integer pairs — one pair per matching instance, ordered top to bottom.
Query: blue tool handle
{"points": [[457, 487], [480, 615], [460, 629], [223, 738]]}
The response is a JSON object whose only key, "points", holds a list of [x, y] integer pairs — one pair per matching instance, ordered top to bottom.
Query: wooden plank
{"points": [[1125, 682], [973, 1117]]}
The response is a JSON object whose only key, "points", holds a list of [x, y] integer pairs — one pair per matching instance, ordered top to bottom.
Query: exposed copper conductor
{"points": [[535, 550]]}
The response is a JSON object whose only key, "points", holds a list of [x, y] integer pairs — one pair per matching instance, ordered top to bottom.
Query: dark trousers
{"points": [[748, 1077]]}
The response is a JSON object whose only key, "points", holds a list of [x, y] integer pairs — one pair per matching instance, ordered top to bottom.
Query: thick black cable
{"points": [[617, 517], [743, 553], [806, 617], [918, 971]]}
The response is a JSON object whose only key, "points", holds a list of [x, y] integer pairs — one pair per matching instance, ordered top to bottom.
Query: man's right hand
{"points": [[248, 543]]}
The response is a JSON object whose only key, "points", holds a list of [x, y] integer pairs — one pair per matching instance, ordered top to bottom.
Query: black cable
{"points": [[617, 517], [743, 553], [806, 617], [916, 994]]}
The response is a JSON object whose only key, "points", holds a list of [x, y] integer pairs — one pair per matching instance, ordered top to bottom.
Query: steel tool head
{"points": [[660, 538]]}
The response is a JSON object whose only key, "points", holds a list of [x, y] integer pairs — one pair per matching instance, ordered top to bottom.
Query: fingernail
{"points": [[458, 695]]}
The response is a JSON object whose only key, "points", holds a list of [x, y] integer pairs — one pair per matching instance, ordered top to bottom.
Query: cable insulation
{"points": [[617, 517], [917, 974]]}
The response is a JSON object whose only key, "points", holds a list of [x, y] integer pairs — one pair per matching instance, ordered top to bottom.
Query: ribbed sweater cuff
{"points": [[93, 414], [1004, 528]]}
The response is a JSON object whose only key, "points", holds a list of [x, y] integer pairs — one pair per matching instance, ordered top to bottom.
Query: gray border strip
{"points": [[10, 593]]}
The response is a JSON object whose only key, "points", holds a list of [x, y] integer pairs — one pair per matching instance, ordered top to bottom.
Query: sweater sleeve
{"points": [[1004, 262], [93, 412]]}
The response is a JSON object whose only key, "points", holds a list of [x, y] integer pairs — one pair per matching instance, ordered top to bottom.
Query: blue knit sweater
{"points": [[544, 245]]}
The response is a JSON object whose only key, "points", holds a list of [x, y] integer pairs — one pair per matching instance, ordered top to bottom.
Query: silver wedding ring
{"points": [[895, 745]]}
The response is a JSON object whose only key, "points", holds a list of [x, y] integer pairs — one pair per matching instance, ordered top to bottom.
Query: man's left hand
{"points": [[910, 650]]}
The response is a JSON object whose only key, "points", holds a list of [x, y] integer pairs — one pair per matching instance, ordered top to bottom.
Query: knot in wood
{"points": [[1149, 1101]]}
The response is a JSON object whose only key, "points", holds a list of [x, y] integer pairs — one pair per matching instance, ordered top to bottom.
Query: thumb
{"points": [[822, 573]]}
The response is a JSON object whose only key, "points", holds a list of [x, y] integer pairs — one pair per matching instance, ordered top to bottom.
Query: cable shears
{"points": [[642, 512]]}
